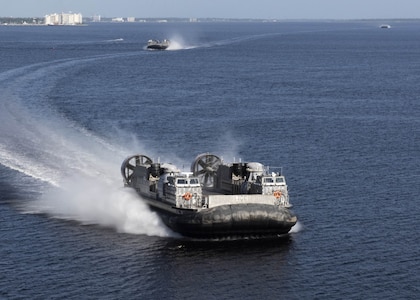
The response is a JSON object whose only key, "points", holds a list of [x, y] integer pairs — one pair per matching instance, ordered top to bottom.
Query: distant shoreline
{"points": [[39, 21], [42, 25]]}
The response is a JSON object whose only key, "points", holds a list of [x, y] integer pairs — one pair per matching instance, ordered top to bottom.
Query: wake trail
{"points": [[179, 43], [81, 169]]}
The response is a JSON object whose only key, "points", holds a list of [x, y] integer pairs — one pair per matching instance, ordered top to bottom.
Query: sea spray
{"points": [[78, 171], [94, 201], [298, 227]]}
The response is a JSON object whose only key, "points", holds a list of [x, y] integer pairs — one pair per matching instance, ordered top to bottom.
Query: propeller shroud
{"points": [[129, 164], [205, 168]]}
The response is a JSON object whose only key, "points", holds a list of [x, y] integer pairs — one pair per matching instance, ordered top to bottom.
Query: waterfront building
{"points": [[63, 19]]}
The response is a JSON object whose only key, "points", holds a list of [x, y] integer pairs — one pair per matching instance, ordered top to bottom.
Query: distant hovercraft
{"points": [[158, 45]]}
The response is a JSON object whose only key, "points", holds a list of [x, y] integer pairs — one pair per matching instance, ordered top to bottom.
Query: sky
{"points": [[258, 9]]}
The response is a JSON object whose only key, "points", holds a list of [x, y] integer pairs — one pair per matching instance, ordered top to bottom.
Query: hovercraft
{"points": [[158, 45]]}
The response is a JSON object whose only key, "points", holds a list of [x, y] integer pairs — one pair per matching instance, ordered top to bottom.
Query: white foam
{"points": [[82, 169], [93, 201], [298, 227]]}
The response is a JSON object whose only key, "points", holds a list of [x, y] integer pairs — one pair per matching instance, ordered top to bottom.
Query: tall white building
{"points": [[63, 19]]}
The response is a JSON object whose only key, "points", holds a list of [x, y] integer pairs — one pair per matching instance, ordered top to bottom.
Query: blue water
{"points": [[335, 104]]}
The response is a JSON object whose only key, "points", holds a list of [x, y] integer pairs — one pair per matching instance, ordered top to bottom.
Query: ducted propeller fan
{"points": [[205, 168]]}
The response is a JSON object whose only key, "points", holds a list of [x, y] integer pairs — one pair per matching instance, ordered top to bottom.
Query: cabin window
{"points": [[279, 179], [268, 180], [182, 181], [194, 181]]}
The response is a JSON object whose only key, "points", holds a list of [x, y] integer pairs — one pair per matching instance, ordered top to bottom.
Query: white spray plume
{"points": [[178, 43], [80, 168], [94, 201], [298, 227]]}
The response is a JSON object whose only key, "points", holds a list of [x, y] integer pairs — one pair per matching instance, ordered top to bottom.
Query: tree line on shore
{"points": [[12, 20]]}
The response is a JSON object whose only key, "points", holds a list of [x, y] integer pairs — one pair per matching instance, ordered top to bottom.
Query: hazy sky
{"points": [[273, 9]]}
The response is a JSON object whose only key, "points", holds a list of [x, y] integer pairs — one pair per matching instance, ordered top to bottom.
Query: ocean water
{"points": [[334, 104]]}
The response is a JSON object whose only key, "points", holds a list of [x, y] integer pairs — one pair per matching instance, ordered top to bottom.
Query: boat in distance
{"points": [[158, 45], [215, 199]]}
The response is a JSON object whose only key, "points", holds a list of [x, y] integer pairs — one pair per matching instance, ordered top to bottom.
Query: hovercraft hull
{"points": [[157, 47], [234, 220], [242, 220]]}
